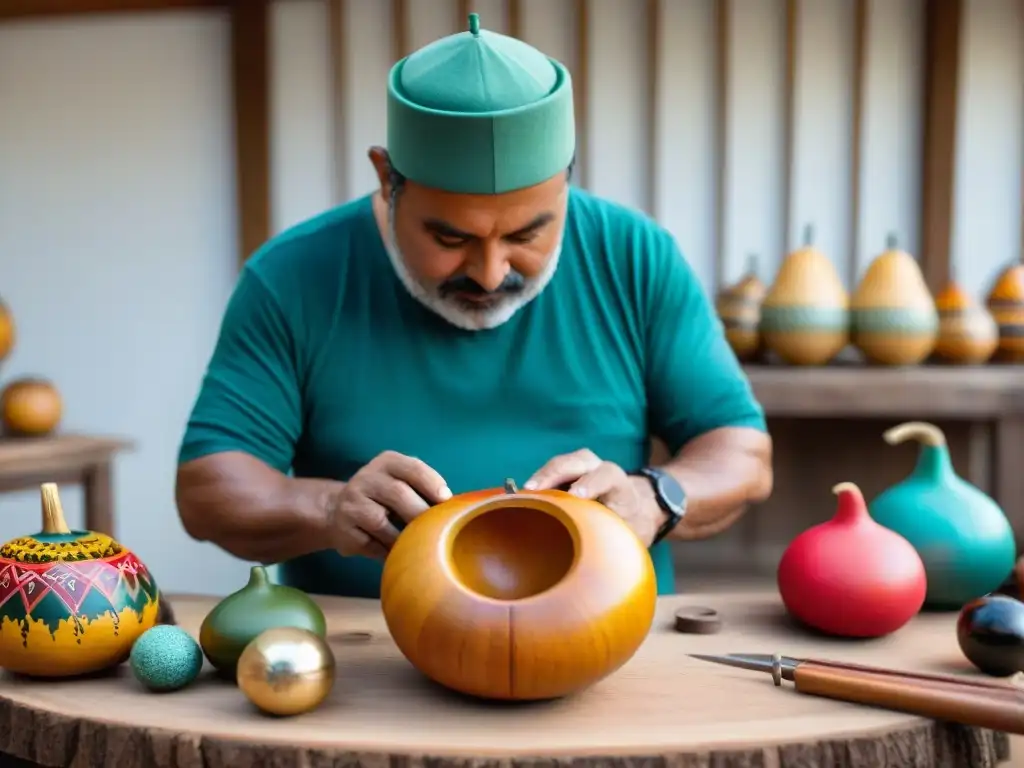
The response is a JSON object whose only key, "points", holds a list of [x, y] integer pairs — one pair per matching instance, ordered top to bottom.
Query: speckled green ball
{"points": [[166, 658]]}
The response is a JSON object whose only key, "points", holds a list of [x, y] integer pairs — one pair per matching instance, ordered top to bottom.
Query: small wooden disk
{"points": [[698, 620]]}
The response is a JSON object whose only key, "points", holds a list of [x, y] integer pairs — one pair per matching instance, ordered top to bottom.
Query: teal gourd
{"points": [[961, 534]]}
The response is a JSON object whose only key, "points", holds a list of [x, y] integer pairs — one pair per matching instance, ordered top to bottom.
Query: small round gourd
{"points": [[30, 407], [503, 594], [71, 602], [166, 658]]}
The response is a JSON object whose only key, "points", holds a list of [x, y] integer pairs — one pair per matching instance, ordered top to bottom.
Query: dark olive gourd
{"points": [[258, 606]]}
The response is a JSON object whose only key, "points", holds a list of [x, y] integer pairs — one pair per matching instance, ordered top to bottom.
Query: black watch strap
{"points": [[670, 497]]}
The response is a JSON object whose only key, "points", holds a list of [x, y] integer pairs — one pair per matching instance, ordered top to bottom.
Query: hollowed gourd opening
{"points": [[511, 553]]}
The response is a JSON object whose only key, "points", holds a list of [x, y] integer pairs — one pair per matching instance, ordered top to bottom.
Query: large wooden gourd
{"points": [[1006, 303], [739, 308], [805, 317], [893, 317], [968, 334], [503, 594], [71, 602]]}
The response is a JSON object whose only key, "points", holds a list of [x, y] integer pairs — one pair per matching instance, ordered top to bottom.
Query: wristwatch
{"points": [[670, 496]]}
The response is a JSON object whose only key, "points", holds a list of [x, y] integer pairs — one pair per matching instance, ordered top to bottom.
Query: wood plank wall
{"points": [[809, 456]]}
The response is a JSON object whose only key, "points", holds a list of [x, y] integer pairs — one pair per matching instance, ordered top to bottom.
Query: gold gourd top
{"points": [[808, 278], [893, 279], [1009, 287], [953, 298], [56, 542]]}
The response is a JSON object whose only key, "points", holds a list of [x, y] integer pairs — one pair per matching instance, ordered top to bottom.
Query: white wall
{"points": [[117, 244]]}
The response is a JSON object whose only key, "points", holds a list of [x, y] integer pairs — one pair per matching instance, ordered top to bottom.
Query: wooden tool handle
{"points": [[941, 700]]}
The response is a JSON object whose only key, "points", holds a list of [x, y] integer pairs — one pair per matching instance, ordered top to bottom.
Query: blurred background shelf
{"points": [[856, 391]]}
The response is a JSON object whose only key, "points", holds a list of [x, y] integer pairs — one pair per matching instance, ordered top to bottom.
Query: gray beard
{"points": [[457, 313]]}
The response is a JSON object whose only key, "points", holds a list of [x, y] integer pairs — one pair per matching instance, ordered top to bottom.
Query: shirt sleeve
{"points": [[695, 384], [249, 399]]}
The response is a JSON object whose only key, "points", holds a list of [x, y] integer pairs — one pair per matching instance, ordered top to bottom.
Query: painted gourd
{"points": [[1006, 303], [739, 308], [805, 315], [893, 318], [8, 333], [968, 334], [30, 407], [962, 535], [849, 576], [503, 594], [71, 602], [243, 615]]}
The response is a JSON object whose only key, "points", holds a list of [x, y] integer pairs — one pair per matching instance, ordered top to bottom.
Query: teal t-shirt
{"points": [[324, 360]]}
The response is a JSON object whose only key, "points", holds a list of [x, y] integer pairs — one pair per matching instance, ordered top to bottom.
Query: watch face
{"points": [[672, 492]]}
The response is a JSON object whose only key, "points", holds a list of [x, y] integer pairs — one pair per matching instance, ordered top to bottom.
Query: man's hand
{"points": [[588, 477], [390, 484]]}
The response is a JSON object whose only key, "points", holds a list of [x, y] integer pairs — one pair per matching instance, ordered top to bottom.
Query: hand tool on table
{"points": [[997, 705]]}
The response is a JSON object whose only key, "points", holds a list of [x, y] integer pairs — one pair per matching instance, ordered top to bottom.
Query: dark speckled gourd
{"points": [[892, 314], [260, 605]]}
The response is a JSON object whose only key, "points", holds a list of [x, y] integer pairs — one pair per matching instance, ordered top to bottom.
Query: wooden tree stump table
{"points": [[661, 709]]}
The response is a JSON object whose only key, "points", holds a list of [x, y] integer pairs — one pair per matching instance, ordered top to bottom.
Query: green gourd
{"points": [[961, 534], [258, 606]]}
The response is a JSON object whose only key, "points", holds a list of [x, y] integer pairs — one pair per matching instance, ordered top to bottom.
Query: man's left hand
{"points": [[588, 477]]}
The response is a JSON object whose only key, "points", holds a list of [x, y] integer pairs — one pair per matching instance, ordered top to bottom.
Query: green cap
{"points": [[480, 113]]}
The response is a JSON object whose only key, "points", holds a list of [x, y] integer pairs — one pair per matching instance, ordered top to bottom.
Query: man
{"points": [[475, 319]]}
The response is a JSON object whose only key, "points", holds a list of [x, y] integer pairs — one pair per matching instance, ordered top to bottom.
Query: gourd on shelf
{"points": [[1006, 303], [739, 308], [805, 316], [893, 316], [968, 334], [30, 407], [963, 537], [543, 593], [71, 602]]}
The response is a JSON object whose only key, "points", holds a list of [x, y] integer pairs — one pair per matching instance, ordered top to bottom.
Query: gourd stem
{"points": [[808, 235], [891, 241], [752, 260], [922, 431], [510, 486], [851, 502], [53, 513], [258, 576]]}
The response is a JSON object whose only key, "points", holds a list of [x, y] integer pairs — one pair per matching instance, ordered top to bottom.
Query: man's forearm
{"points": [[722, 473], [251, 510]]}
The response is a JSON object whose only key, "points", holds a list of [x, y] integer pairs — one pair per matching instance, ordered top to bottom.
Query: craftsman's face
{"points": [[474, 259]]}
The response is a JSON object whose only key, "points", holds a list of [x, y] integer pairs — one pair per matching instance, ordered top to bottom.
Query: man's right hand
{"points": [[391, 484]]}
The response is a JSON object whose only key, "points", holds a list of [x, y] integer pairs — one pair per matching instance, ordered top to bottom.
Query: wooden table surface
{"points": [[662, 705]]}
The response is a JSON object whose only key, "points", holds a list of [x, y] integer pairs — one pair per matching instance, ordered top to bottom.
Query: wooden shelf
{"points": [[26, 9], [852, 391]]}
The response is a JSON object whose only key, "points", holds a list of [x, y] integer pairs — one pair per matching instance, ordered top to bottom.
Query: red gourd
{"points": [[850, 576]]}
